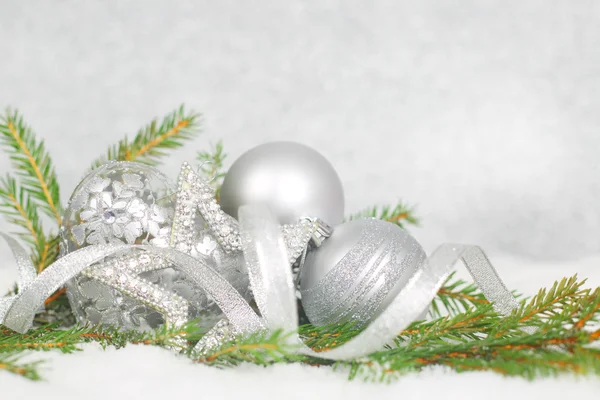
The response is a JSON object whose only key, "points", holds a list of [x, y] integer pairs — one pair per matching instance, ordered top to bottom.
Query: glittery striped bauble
{"points": [[358, 271]]}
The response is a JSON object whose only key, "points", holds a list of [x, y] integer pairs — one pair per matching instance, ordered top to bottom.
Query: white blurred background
{"points": [[485, 114]]}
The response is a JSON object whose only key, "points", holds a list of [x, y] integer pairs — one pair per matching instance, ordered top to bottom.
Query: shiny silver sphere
{"points": [[292, 179], [358, 271]]}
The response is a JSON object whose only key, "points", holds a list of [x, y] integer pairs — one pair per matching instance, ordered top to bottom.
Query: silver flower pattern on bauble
{"points": [[114, 212]]}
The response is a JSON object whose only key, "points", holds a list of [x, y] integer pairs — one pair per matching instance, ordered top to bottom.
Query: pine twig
{"points": [[150, 143], [32, 163], [212, 165], [19, 209], [400, 214], [456, 296], [546, 302], [260, 348], [11, 364]]}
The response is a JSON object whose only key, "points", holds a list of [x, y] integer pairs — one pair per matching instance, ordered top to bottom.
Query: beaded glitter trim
{"points": [[194, 195], [122, 275]]}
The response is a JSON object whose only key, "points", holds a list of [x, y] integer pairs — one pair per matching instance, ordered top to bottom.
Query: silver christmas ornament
{"points": [[292, 179], [119, 202], [132, 203], [358, 271]]}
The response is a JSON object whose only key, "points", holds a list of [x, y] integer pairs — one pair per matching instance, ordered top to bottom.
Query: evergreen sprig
{"points": [[152, 141], [32, 164], [212, 165], [37, 188], [19, 209], [400, 214], [456, 296], [548, 334], [261, 348], [546, 352], [12, 364]]}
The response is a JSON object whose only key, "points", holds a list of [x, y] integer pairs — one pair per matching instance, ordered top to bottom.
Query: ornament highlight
{"points": [[292, 179], [358, 271]]}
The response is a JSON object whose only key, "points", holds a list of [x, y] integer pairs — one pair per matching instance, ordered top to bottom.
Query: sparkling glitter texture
{"points": [[132, 203], [266, 257], [358, 271]]}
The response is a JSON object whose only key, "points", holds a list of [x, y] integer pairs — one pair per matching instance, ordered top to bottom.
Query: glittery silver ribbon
{"points": [[271, 281], [273, 287], [17, 311]]}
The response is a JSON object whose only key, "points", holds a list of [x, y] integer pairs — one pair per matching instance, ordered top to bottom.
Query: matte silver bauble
{"points": [[292, 179], [133, 203], [358, 271]]}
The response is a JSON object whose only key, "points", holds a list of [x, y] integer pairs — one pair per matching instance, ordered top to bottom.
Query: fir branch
{"points": [[150, 142], [32, 163], [212, 165], [19, 209], [401, 214], [48, 252], [55, 296], [456, 296], [546, 302], [560, 305], [588, 310], [469, 325], [52, 337], [327, 337], [466, 341], [260, 348], [529, 355], [27, 370]]}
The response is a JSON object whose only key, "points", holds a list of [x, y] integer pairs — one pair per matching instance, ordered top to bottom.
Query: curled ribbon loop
{"points": [[264, 252], [271, 281], [17, 312]]}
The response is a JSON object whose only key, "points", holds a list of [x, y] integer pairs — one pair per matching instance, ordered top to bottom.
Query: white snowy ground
{"points": [[483, 113], [141, 372]]}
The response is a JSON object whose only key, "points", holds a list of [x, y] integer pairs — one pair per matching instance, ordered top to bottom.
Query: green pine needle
{"points": [[152, 142], [32, 163], [213, 165], [19, 209], [400, 214], [456, 296], [262, 348], [11, 364]]}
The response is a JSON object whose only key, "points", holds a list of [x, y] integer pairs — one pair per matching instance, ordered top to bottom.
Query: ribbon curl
{"points": [[271, 282], [18, 311]]}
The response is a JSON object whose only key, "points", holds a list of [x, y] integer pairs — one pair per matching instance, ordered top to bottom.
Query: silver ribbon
{"points": [[271, 281], [274, 289], [17, 312]]}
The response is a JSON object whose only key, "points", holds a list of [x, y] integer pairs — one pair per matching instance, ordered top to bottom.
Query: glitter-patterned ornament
{"points": [[132, 203], [358, 271]]}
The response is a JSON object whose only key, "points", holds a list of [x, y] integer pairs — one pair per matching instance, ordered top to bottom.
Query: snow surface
{"points": [[484, 113], [142, 372]]}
